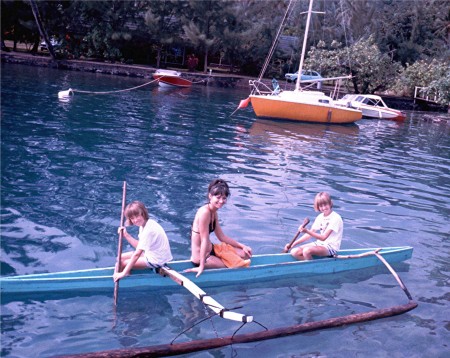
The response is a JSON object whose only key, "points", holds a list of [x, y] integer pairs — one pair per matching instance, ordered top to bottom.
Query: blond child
{"points": [[327, 229], [152, 243]]}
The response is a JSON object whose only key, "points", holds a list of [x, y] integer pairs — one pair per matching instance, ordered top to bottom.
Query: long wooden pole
{"points": [[119, 249], [164, 350]]}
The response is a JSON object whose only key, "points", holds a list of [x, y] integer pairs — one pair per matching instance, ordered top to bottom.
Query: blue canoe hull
{"points": [[263, 267]]}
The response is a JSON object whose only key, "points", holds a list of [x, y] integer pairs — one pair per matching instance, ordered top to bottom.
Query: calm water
{"points": [[62, 168]]}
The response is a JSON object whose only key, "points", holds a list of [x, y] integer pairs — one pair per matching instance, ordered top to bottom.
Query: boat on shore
{"points": [[169, 78], [299, 104], [372, 106], [263, 268]]}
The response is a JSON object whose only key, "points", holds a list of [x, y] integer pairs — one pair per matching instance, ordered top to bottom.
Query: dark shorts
{"points": [[212, 253], [151, 265], [155, 267]]}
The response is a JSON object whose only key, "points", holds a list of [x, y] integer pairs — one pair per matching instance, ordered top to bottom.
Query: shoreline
{"points": [[215, 79]]}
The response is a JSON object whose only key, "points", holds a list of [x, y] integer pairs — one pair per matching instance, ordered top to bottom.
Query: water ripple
{"points": [[63, 164]]}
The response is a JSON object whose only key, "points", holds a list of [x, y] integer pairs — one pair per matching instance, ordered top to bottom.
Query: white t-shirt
{"points": [[333, 222], [154, 242]]}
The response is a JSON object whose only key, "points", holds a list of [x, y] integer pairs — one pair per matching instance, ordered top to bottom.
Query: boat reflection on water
{"points": [[166, 90], [166, 100], [278, 131]]}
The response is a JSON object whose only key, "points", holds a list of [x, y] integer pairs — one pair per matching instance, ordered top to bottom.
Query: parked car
{"points": [[55, 43], [307, 75]]}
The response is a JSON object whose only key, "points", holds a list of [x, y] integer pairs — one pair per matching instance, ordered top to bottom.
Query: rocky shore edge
{"points": [[120, 69], [215, 79]]}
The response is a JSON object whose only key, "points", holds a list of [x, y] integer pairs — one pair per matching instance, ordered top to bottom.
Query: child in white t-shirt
{"points": [[327, 229], [153, 242]]}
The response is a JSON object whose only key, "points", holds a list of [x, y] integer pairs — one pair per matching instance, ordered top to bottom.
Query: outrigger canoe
{"points": [[263, 267]]}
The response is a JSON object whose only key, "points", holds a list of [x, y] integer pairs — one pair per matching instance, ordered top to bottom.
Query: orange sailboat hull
{"points": [[298, 105], [302, 107]]}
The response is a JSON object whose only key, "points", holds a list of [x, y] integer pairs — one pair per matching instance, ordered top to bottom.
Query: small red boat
{"points": [[169, 78]]}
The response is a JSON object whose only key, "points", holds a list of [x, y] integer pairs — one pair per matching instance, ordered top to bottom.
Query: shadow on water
{"points": [[299, 130]]}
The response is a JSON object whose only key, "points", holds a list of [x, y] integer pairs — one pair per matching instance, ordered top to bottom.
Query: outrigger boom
{"points": [[203, 297]]}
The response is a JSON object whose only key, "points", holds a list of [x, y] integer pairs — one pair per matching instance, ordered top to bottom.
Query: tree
{"points": [[8, 21], [18, 23], [164, 24], [104, 26], [201, 26], [42, 29], [407, 29], [379, 34], [249, 46], [371, 70], [433, 74], [441, 87]]}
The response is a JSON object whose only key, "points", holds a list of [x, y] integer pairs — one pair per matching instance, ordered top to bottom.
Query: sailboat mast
{"points": [[305, 40]]}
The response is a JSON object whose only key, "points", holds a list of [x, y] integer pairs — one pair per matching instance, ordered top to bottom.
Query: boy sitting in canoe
{"points": [[328, 239], [152, 242], [229, 253]]}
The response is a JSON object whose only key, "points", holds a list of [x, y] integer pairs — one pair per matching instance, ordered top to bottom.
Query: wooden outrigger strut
{"points": [[203, 297]]}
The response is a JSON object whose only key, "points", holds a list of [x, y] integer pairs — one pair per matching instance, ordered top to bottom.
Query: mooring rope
{"points": [[205, 80], [71, 91], [116, 91]]}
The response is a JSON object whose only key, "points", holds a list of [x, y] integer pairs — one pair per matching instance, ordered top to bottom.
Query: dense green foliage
{"points": [[384, 44], [371, 69], [434, 75]]}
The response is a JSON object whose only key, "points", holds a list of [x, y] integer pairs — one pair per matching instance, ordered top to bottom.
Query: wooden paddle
{"points": [[305, 222], [119, 250]]}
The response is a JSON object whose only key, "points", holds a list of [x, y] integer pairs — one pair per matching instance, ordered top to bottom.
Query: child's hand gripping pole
{"points": [[288, 247]]}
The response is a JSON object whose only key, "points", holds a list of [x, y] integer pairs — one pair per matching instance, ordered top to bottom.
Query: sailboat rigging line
{"points": [[275, 42], [117, 91]]}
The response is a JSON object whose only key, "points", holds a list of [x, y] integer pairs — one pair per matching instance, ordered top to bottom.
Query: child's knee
{"points": [[308, 252], [297, 253], [124, 262]]}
